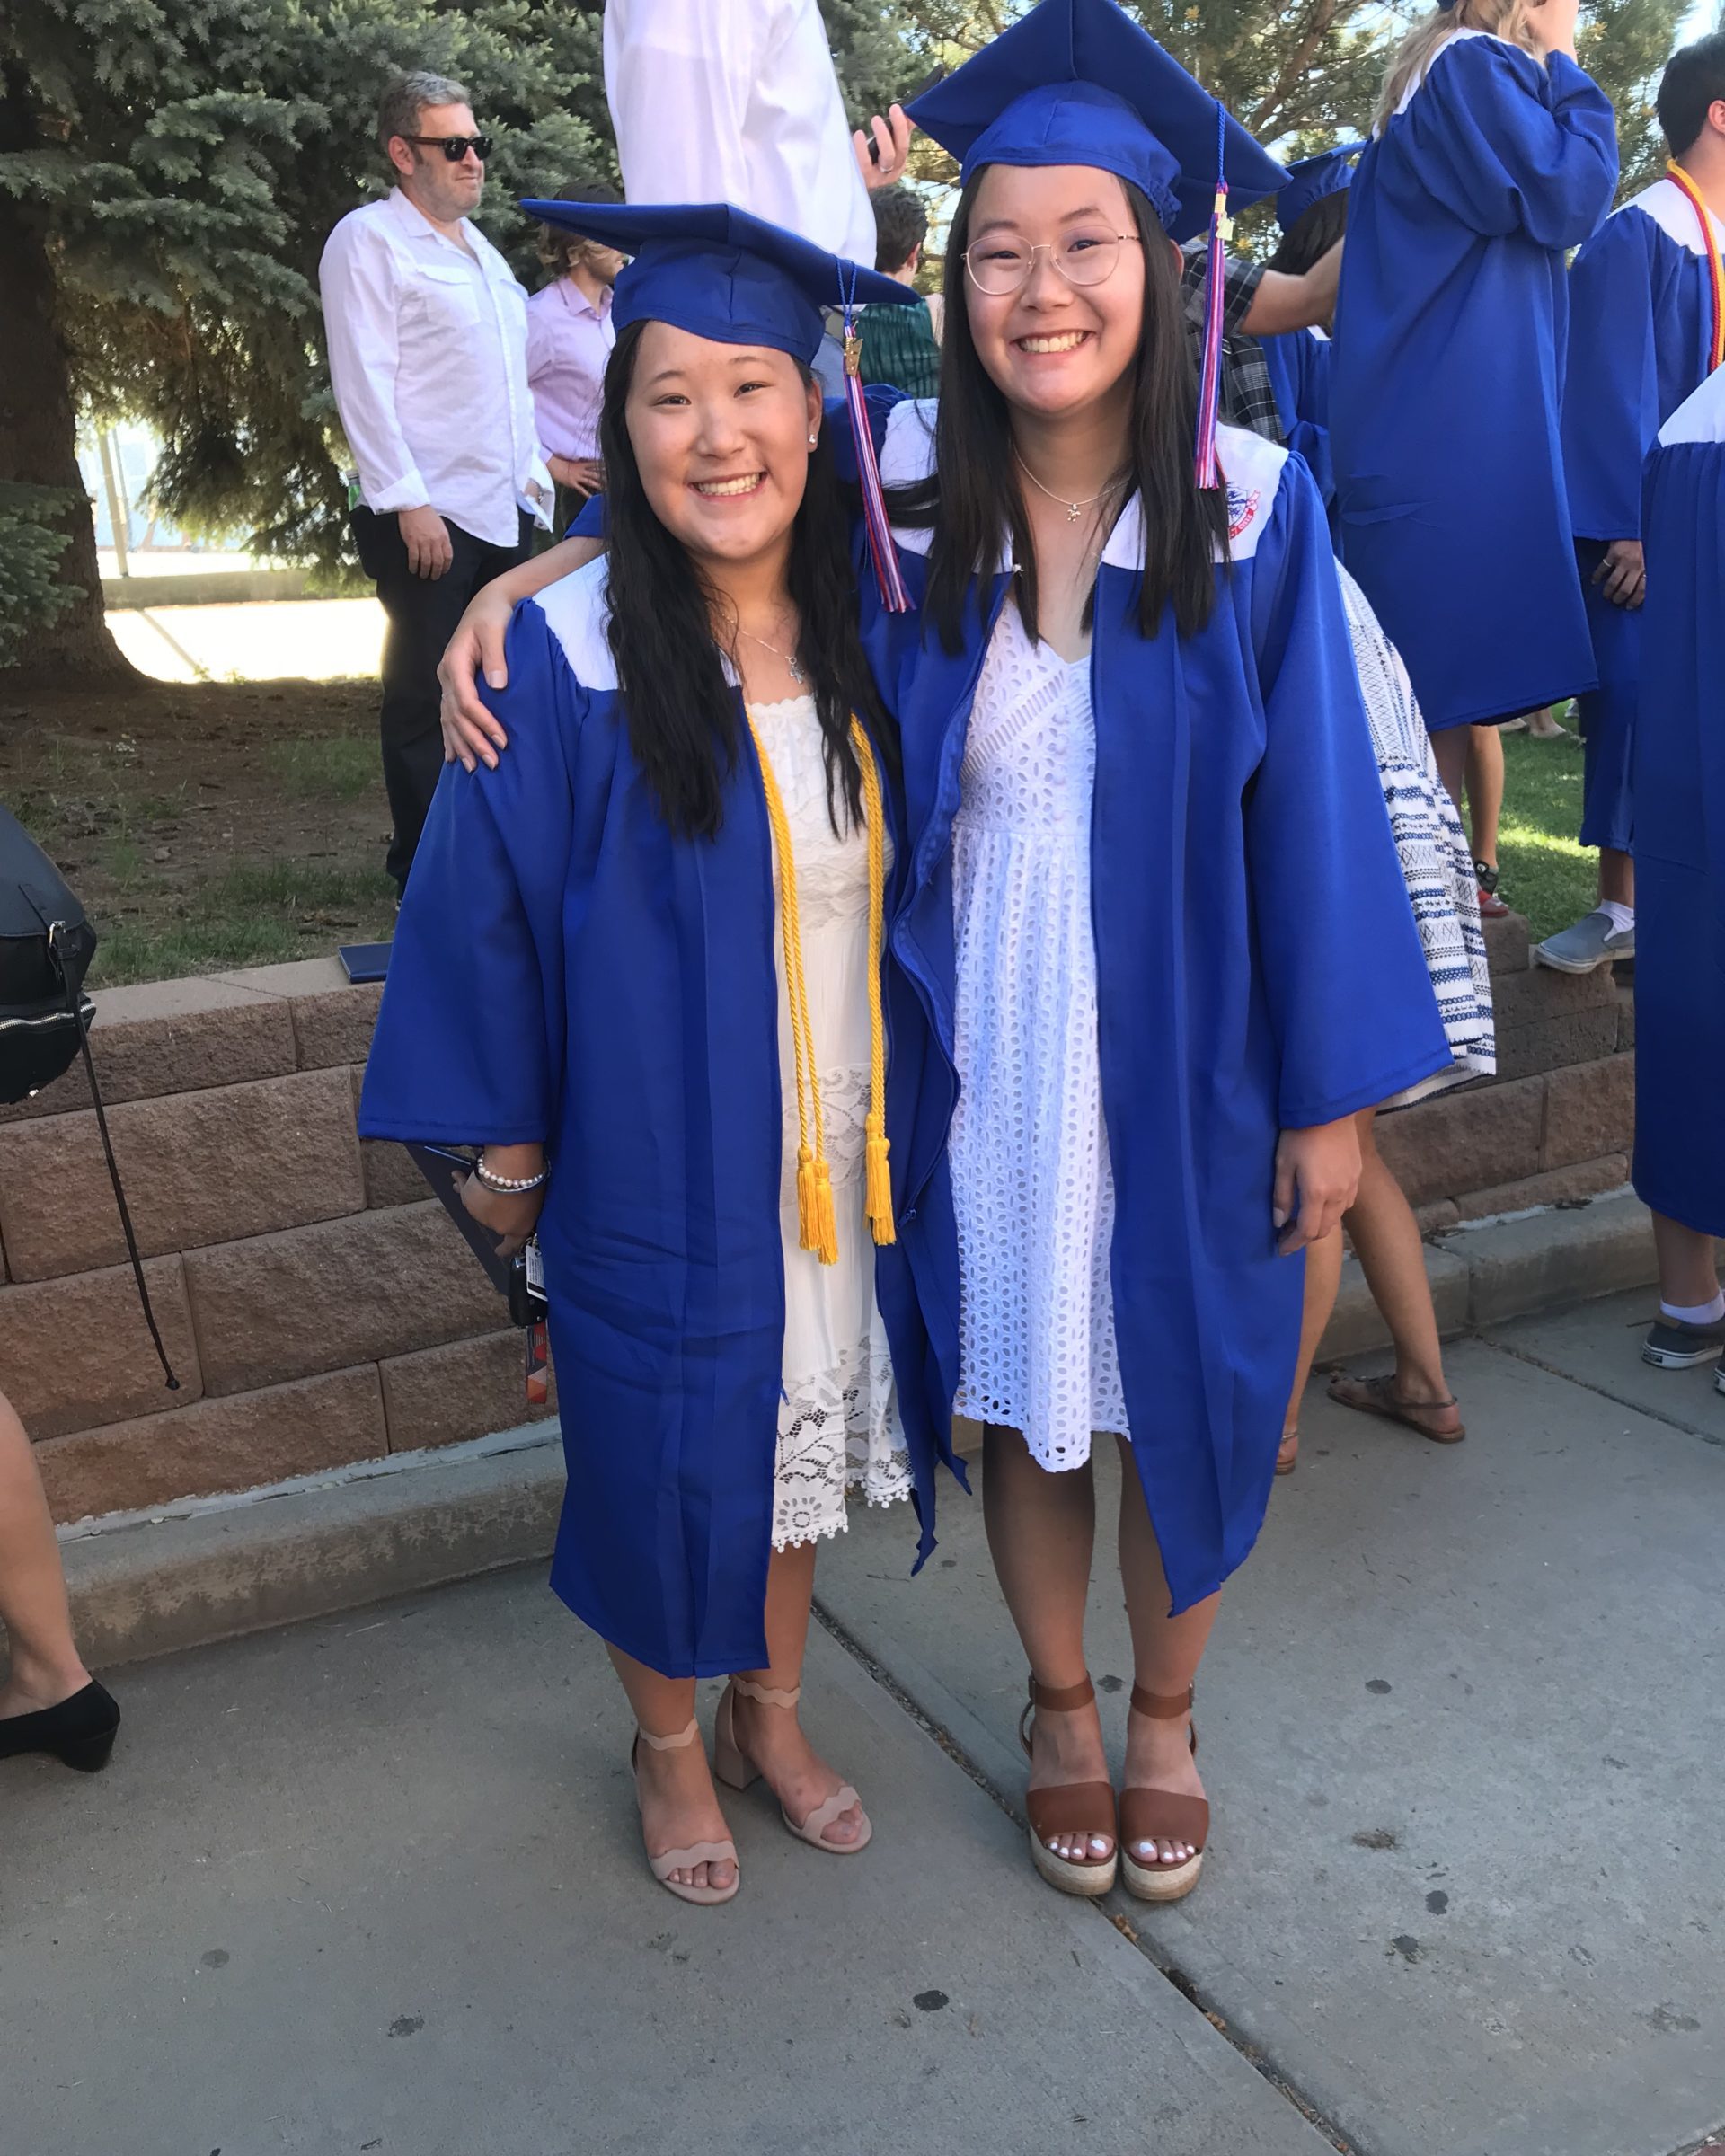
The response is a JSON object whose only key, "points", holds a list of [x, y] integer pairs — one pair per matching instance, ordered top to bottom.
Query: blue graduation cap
{"points": [[1076, 81], [1313, 178], [719, 273]]}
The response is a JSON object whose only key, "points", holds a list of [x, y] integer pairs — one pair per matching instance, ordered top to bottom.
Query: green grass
{"points": [[341, 768], [1547, 873], [256, 913]]}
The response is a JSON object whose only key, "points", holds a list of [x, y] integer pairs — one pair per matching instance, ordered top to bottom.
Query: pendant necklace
{"points": [[1074, 509], [794, 664]]}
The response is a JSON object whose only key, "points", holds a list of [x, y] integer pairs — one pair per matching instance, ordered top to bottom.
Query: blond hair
{"points": [[1504, 19]]}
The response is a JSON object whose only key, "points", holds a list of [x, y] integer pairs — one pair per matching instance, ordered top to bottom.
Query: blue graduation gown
{"points": [[1641, 319], [1299, 368], [1449, 376], [1679, 783], [1257, 965], [567, 970]]}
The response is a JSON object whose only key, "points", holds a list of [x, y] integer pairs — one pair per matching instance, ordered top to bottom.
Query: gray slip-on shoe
{"points": [[1592, 942], [1672, 1346]]}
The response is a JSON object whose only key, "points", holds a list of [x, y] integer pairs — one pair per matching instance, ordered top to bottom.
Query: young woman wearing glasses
{"points": [[1153, 908]]}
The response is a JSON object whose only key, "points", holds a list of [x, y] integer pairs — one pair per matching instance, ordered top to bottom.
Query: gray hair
{"points": [[407, 96]]}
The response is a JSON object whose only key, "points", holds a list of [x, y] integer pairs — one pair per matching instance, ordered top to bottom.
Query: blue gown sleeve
{"points": [[1510, 147], [1611, 387], [588, 521], [1344, 975], [467, 1048]]}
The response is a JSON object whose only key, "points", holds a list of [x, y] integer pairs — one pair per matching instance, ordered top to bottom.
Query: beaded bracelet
{"points": [[507, 1186]]}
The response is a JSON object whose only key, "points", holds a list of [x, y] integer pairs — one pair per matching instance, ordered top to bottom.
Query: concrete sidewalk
{"points": [[373, 1882]]}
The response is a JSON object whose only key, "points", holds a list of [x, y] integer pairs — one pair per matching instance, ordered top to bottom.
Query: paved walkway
{"points": [[370, 1884]]}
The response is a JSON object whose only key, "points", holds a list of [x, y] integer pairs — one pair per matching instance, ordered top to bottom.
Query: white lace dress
{"points": [[1031, 1176], [839, 1421]]}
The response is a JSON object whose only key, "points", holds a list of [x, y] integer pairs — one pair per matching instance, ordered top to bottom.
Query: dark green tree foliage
{"points": [[169, 172]]}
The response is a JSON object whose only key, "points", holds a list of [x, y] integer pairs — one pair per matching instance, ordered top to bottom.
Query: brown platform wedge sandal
{"points": [[736, 1771], [1074, 1808], [1162, 1814]]}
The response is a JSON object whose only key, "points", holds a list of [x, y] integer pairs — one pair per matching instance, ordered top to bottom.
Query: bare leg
{"points": [[1450, 749], [1484, 791], [1616, 876], [1393, 1258], [1687, 1260], [1323, 1278], [1041, 1527], [1165, 1654], [45, 1664], [772, 1735], [678, 1804]]}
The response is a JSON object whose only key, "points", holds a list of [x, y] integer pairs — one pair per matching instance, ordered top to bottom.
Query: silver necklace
{"points": [[1074, 509], [795, 669]]}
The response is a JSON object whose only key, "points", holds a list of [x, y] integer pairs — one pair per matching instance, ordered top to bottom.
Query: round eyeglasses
{"points": [[1089, 255]]}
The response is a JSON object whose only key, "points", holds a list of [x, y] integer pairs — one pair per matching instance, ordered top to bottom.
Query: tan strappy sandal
{"points": [[736, 1771], [1074, 1808], [1162, 1814], [698, 1852]]}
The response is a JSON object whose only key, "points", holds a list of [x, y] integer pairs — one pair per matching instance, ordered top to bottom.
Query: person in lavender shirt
{"points": [[569, 339]]}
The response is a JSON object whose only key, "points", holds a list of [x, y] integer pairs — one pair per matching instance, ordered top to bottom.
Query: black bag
{"points": [[46, 947]]}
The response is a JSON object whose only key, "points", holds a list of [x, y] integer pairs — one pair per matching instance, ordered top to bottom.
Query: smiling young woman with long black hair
{"points": [[1151, 906], [583, 983]]}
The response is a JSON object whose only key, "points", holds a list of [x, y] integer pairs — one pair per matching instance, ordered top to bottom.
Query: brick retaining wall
{"points": [[317, 1305], [320, 1308]]}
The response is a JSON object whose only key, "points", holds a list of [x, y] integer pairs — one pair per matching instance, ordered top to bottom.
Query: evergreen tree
{"points": [[169, 172]]}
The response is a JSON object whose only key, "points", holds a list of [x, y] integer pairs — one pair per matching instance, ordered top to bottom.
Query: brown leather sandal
{"points": [[1378, 1396], [1075, 1808], [1162, 1814]]}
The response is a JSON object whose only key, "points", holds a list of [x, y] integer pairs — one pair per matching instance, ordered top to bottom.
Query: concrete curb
{"points": [[1493, 1270], [156, 1586], [152, 1588]]}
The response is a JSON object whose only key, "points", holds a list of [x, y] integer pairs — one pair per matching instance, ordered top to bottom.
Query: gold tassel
{"points": [[879, 1172], [879, 1184], [817, 1219], [826, 1224], [808, 1228]]}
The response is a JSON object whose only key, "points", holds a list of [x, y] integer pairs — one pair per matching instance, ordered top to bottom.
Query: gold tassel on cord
{"points": [[879, 1172], [816, 1222]]}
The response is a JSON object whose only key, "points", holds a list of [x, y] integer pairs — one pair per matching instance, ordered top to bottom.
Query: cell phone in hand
{"points": [[935, 75]]}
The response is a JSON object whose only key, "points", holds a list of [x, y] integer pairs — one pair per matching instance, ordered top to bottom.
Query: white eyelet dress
{"points": [[1029, 1152], [838, 1420]]}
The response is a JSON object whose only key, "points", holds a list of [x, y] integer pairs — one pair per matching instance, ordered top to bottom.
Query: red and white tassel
{"points": [[882, 551]]}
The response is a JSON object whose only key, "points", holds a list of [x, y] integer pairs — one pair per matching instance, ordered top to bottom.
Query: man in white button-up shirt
{"points": [[738, 101], [427, 333]]}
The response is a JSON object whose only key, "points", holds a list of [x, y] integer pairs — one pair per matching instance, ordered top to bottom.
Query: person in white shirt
{"points": [[738, 101], [426, 331]]}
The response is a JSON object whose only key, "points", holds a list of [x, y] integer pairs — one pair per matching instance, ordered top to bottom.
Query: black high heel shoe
{"points": [[80, 1731]]}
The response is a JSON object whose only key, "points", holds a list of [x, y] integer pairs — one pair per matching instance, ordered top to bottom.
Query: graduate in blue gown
{"points": [[1486, 163], [1311, 211], [1641, 334], [1679, 783], [1155, 912], [1210, 945], [583, 982]]}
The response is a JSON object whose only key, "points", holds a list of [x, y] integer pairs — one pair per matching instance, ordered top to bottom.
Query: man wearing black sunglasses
{"points": [[427, 332]]}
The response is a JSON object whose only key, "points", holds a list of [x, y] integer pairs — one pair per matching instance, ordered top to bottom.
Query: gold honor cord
{"points": [[1715, 267], [817, 1225]]}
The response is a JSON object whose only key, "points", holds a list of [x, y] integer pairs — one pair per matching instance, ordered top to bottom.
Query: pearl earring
{"points": [[813, 438]]}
